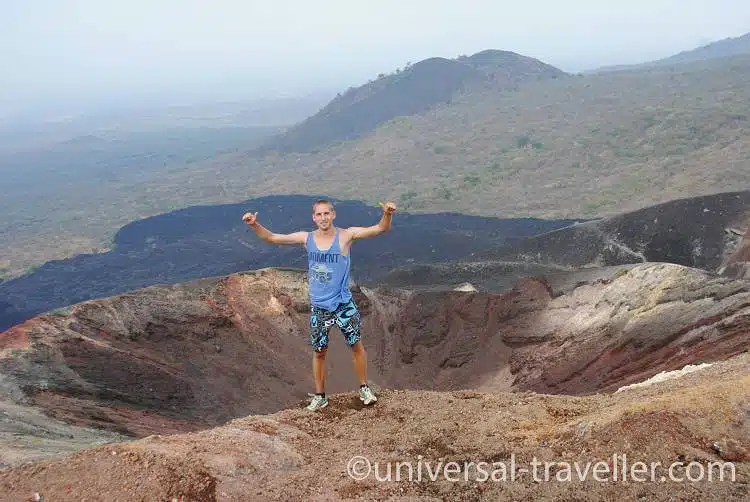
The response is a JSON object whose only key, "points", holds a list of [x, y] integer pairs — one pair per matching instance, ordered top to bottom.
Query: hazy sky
{"points": [[83, 50]]}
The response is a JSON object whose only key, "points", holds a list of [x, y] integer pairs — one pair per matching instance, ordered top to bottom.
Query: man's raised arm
{"points": [[382, 226], [267, 236]]}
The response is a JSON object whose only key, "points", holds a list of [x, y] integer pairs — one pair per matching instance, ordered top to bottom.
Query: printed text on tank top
{"points": [[328, 273]]}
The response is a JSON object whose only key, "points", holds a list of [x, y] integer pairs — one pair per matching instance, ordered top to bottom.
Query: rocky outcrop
{"points": [[738, 263], [650, 318], [593, 336], [184, 357], [166, 358]]}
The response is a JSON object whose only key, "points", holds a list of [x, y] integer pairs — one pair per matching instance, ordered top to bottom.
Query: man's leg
{"points": [[349, 322], [320, 323], [359, 358], [319, 370]]}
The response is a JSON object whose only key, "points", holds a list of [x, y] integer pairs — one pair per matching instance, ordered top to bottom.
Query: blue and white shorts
{"points": [[346, 317]]}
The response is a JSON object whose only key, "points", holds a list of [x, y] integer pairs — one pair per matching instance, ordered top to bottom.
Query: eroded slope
{"points": [[178, 358], [297, 455]]}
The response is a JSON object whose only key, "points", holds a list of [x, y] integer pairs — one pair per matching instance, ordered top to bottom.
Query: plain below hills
{"points": [[70, 182]]}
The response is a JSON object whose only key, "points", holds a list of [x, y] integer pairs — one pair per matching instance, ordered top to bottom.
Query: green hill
{"points": [[413, 90], [583, 146]]}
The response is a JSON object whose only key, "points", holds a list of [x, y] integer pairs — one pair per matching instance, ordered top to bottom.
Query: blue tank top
{"points": [[328, 274]]}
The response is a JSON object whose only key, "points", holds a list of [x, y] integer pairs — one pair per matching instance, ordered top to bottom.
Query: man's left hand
{"points": [[388, 207]]}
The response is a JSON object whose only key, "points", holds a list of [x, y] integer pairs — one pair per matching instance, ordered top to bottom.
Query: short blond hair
{"points": [[322, 201]]}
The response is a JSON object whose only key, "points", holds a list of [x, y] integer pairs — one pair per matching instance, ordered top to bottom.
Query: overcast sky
{"points": [[81, 50]]}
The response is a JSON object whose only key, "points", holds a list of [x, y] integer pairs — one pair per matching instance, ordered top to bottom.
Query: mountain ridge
{"points": [[726, 47], [413, 90], [587, 146], [710, 233]]}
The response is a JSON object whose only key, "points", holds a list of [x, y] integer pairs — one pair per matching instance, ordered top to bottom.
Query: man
{"points": [[329, 261]]}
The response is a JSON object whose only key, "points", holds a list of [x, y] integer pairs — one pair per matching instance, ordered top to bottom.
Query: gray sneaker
{"points": [[367, 396], [317, 402]]}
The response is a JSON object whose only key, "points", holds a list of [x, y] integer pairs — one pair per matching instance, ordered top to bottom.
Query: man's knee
{"points": [[319, 338], [357, 346], [320, 353]]}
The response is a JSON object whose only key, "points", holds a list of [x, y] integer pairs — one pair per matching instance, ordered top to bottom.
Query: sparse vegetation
{"points": [[429, 84], [608, 143], [589, 146], [472, 180], [445, 192], [409, 195], [70, 197], [406, 199]]}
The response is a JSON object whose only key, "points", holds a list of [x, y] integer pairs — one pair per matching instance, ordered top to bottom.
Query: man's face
{"points": [[323, 216]]}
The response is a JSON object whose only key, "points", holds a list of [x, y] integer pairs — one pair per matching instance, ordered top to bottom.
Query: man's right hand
{"points": [[250, 218]]}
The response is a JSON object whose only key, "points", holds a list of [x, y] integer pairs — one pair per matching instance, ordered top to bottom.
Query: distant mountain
{"points": [[737, 46], [728, 47], [410, 91], [575, 147]]}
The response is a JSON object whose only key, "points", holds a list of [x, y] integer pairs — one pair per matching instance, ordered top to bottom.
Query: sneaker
{"points": [[366, 395], [317, 402]]}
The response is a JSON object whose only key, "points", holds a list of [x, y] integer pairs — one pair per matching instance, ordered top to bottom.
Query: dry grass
{"points": [[585, 146]]}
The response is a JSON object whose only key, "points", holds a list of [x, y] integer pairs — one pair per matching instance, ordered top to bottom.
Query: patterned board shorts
{"points": [[346, 317]]}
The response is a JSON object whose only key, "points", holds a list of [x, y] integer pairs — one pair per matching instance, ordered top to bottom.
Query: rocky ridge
{"points": [[188, 357], [181, 391]]}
